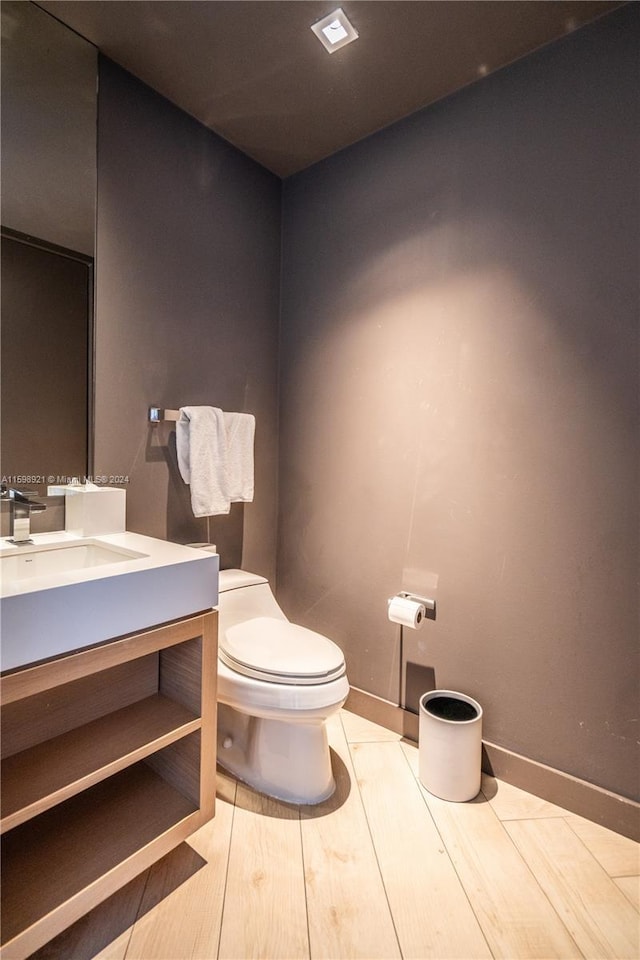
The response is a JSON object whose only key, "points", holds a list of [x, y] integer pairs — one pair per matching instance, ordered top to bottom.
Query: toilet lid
{"points": [[280, 652]]}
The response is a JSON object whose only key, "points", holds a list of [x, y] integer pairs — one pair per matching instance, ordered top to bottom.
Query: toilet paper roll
{"points": [[410, 613]]}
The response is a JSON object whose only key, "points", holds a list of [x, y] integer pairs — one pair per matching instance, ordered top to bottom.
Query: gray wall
{"points": [[188, 261], [459, 401]]}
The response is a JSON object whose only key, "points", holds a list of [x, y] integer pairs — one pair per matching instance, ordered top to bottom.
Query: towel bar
{"points": [[157, 414]]}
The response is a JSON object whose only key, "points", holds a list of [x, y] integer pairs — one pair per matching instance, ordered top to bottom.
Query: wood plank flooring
{"points": [[382, 870]]}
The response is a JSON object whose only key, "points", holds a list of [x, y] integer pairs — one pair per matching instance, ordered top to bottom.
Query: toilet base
{"points": [[287, 760]]}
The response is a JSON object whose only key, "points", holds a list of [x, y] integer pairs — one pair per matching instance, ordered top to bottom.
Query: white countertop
{"points": [[154, 553], [46, 616]]}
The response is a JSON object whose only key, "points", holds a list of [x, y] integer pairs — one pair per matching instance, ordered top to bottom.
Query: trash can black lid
{"points": [[450, 708]]}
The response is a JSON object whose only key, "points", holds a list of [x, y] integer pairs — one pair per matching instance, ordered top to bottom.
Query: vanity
{"points": [[108, 699]]}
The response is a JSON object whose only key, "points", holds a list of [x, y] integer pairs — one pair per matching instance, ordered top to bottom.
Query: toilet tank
{"points": [[243, 596]]}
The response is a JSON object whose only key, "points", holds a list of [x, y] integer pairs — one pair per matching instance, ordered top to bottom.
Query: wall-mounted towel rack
{"points": [[157, 414]]}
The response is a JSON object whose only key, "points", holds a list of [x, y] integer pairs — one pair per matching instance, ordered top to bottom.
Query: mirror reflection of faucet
{"points": [[21, 509]]}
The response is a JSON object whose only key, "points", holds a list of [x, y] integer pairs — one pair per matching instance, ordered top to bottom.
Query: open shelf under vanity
{"points": [[108, 762]]}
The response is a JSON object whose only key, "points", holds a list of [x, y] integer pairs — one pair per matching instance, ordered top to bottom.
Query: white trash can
{"points": [[450, 745]]}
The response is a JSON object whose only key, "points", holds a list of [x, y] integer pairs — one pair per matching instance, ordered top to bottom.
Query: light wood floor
{"points": [[382, 870]]}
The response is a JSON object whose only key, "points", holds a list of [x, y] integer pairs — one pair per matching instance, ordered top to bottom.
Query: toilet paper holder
{"points": [[427, 602], [428, 611]]}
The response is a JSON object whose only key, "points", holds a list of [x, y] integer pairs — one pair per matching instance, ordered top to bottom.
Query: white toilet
{"points": [[277, 685]]}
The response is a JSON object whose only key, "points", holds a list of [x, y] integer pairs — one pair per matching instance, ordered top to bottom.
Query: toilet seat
{"points": [[278, 651]]}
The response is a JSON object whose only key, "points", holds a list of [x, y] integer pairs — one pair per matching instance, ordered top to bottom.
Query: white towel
{"points": [[240, 431], [201, 445], [215, 456]]}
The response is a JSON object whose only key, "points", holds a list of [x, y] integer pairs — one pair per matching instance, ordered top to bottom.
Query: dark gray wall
{"points": [[187, 294], [459, 401]]}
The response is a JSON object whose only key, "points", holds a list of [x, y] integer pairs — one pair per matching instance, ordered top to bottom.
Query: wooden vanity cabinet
{"points": [[108, 762]]}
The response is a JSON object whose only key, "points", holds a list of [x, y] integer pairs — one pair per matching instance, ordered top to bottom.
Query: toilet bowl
{"points": [[277, 685]]}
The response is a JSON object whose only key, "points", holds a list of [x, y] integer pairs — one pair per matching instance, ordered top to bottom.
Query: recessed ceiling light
{"points": [[334, 31]]}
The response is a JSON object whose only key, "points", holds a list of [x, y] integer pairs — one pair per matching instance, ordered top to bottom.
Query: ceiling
{"points": [[254, 72]]}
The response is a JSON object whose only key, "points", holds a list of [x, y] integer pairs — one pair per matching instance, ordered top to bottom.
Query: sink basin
{"points": [[32, 562], [64, 592]]}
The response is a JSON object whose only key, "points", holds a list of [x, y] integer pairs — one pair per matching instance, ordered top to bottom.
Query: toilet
{"points": [[277, 685]]}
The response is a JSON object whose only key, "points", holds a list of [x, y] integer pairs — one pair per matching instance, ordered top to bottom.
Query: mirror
{"points": [[49, 109]]}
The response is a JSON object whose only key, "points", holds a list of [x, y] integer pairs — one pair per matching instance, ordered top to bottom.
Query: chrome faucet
{"points": [[21, 509]]}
